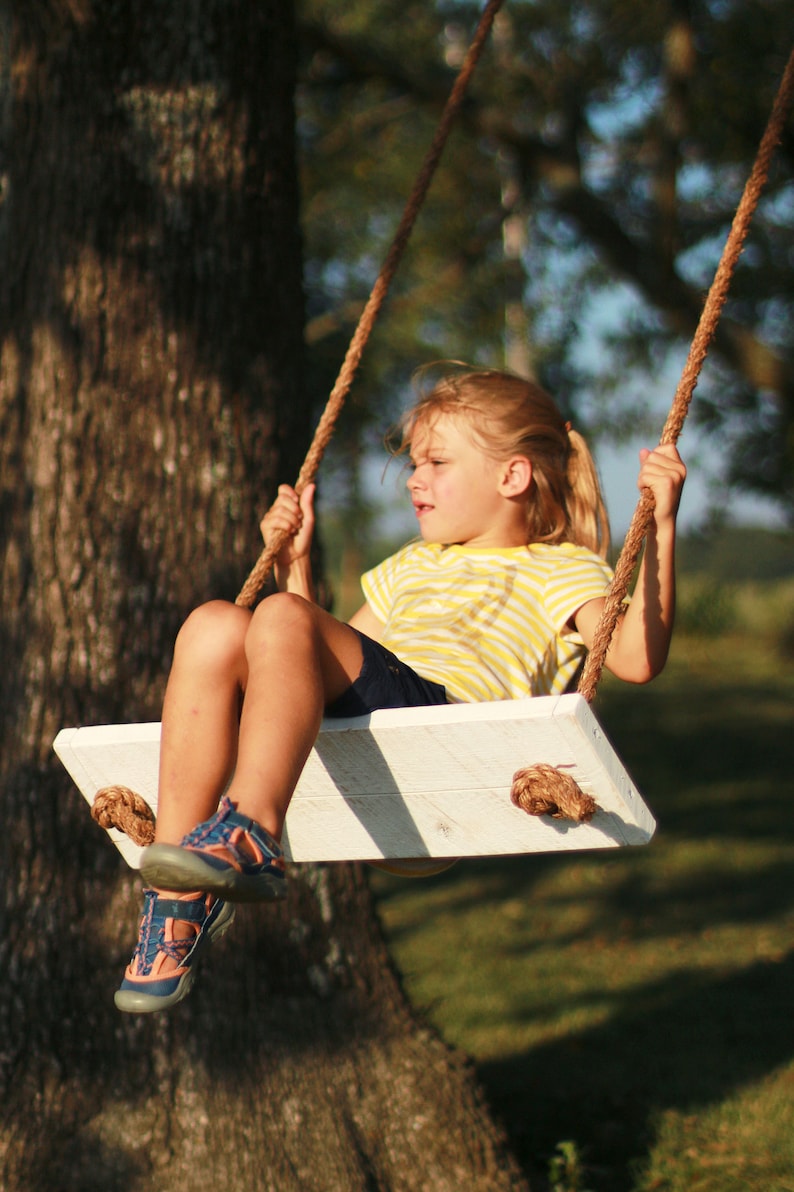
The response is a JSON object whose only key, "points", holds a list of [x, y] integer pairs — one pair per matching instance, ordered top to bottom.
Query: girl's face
{"points": [[459, 493]]}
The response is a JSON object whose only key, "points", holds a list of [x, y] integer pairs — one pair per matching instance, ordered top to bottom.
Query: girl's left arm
{"points": [[641, 641]]}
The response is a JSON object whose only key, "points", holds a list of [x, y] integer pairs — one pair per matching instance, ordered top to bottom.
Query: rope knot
{"points": [[545, 790], [119, 807]]}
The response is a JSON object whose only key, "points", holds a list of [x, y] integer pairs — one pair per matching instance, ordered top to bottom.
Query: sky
{"points": [[618, 467]]}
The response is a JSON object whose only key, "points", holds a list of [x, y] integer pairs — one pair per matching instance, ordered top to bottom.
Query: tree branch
{"points": [[557, 169]]}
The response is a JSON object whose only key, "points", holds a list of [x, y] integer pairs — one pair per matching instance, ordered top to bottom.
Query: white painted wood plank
{"points": [[411, 782]]}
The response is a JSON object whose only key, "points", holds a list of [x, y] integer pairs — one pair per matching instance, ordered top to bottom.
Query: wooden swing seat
{"points": [[410, 782]]}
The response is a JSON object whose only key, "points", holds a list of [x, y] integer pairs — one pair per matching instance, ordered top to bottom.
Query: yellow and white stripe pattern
{"points": [[486, 623]]}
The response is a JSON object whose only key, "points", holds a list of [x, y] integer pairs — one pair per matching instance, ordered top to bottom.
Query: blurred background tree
{"points": [[577, 219]]}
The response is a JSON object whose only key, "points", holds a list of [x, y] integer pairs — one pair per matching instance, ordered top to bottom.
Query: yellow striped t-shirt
{"points": [[486, 623]]}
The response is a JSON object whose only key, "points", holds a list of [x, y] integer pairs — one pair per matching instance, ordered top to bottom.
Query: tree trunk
{"points": [[150, 396]]}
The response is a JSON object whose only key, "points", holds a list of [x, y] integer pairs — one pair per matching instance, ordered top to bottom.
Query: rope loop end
{"points": [[545, 790], [121, 808]]}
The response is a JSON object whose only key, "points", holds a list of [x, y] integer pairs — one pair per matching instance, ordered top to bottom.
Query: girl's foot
{"points": [[229, 855], [172, 935]]}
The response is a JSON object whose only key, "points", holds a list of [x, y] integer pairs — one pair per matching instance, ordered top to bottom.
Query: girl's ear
{"points": [[516, 476]]}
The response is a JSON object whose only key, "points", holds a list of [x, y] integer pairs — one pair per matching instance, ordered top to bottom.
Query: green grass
{"points": [[631, 1013]]}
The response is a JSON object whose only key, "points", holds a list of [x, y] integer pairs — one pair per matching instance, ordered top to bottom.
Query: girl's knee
{"points": [[283, 608], [284, 615], [214, 633]]}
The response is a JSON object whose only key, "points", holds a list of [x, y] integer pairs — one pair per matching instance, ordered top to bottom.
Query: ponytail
{"points": [[587, 511]]}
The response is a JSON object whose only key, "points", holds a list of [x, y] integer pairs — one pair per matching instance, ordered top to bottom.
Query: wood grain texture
{"points": [[411, 782]]}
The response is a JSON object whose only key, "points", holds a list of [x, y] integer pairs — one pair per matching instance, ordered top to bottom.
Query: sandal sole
{"points": [[170, 867]]}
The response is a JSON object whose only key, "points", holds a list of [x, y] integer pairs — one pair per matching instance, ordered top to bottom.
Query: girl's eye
{"points": [[413, 464]]}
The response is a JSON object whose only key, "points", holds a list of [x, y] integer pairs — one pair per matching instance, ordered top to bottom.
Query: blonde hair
{"points": [[509, 416]]}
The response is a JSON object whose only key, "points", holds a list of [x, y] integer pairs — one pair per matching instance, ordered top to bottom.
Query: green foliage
{"points": [[616, 136], [732, 554], [737, 576], [705, 608], [787, 639], [566, 1170]]}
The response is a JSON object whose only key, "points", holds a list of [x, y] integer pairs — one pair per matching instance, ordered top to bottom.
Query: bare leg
{"points": [[300, 658], [285, 662], [200, 717]]}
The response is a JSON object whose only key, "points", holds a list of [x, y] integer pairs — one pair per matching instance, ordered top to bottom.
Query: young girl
{"points": [[500, 599]]}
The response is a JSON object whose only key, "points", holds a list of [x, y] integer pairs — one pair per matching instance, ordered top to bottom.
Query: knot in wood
{"points": [[545, 790], [121, 808]]}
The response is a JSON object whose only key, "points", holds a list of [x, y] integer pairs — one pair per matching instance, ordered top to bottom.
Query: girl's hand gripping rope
{"points": [[663, 472], [294, 516]]}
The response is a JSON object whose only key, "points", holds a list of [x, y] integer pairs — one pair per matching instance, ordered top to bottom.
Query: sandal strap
{"points": [[218, 830], [189, 910]]}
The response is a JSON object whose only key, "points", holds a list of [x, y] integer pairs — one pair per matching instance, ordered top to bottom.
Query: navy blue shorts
{"points": [[385, 682]]}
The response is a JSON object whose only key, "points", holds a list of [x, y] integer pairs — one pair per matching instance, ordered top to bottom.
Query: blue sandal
{"points": [[229, 855], [162, 968]]}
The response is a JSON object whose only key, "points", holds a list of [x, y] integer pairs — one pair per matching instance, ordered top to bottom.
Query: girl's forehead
{"points": [[431, 429]]}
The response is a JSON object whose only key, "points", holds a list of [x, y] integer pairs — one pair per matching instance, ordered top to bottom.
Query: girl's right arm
{"points": [[295, 517], [293, 569]]}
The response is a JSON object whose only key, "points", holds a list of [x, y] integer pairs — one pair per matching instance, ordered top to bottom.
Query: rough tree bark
{"points": [[150, 396]]}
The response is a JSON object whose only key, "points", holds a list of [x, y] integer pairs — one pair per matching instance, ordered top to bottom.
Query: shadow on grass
{"points": [[680, 749], [714, 761], [716, 769], [716, 772], [686, 1042]]}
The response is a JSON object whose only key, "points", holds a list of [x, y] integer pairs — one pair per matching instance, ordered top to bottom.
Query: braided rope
{"points": [[707, 325], [336, 400], [534, 785], [118, 807]]}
